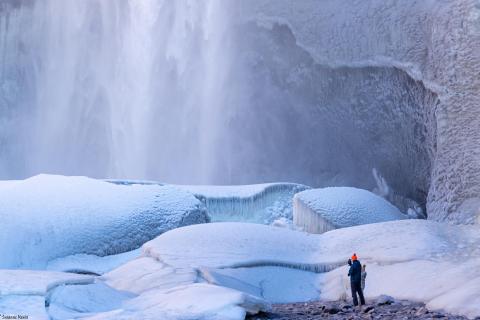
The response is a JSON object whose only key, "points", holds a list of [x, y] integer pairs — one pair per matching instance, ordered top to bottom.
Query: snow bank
{"points": [[258, 203], [321, 210], [47, 217], [442, 259], [226, 270]]}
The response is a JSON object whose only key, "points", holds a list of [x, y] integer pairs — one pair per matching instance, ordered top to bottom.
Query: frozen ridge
{"points": [[258, 203], [321, 210], [47, 217]]}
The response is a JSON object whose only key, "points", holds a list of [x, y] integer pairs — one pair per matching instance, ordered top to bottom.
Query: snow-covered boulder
{"points": [[321, 210], [47, 217]]}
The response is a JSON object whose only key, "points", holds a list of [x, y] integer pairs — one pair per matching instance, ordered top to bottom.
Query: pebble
{"points": [[383, 308]]}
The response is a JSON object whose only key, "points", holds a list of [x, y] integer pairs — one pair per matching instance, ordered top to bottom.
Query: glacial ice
{"points": [[260, 203], [321, 210], [47, 217]]}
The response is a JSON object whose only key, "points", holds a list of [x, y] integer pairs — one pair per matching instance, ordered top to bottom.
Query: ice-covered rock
{"points": [[426, 143], [258, 203], [321, 210], [48, 217]]}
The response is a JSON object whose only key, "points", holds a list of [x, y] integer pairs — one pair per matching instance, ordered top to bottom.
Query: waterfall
{"points": [[111, 88]]}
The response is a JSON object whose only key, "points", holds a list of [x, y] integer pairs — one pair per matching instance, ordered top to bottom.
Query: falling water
{"points": [[111, 88]]}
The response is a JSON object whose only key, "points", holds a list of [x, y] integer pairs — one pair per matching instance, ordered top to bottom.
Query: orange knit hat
{"points": [[354, 257]]}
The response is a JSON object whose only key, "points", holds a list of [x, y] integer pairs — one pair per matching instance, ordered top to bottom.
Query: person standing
{"points": [[355, 274]]}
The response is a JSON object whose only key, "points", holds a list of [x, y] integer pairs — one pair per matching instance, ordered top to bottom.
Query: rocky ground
{"points": [[385, 308]]}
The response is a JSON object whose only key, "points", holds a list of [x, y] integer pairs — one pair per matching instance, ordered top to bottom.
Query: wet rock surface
{"points": [[383, 308]]}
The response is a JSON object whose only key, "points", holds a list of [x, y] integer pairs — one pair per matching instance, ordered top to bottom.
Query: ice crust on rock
{"points": [[436, 43], [259, 203], [321, 210], [47, 217]]}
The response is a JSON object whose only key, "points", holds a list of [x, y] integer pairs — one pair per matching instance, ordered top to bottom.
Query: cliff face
{"points": [[437, 44]]}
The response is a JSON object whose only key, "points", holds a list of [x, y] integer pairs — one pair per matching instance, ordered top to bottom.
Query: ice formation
{"points": [[426, 52], [261, 203], [321, 210], [47, 217], [238, 254], [224, 270]]}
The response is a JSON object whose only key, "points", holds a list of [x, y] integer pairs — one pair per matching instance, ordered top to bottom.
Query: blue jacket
{"points": [[355, 272]]}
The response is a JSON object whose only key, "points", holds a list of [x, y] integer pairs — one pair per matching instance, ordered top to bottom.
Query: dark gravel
{"points": [[384, 308]]}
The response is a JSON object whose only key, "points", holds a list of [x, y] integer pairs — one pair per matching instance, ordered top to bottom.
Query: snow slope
{"points": [[437, 44], [259, 203], [320, 210], [48, 217]]}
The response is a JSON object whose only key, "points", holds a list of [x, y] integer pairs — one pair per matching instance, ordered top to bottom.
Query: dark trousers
{"points": [[357, 288]]}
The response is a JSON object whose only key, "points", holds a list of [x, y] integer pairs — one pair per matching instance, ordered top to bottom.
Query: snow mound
{"points": [[258, 203], [321, 210], [48, 217], [230, 244], [244, 256], [226, 270]]}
